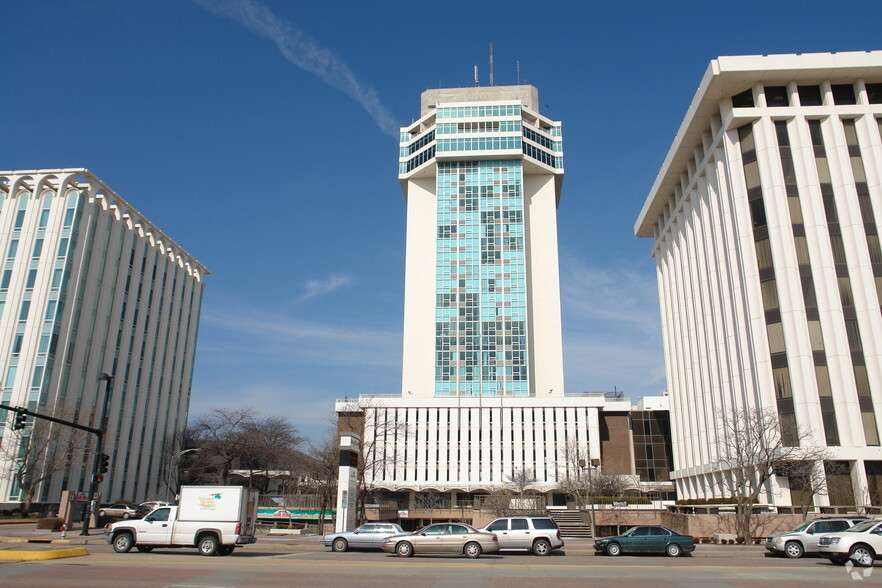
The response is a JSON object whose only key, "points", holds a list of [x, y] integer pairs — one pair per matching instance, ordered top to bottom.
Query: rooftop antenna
{"points": [[491, 64], [519, 72], [476, 76]]}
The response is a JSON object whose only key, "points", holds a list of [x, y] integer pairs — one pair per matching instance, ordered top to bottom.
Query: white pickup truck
{"points": [[214, 519]]}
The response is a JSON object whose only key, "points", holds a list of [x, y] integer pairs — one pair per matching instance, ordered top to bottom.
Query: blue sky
{"points": [[260, 136]]}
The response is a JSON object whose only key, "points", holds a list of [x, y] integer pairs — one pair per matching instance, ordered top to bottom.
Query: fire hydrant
{"points": [[64, 530]]}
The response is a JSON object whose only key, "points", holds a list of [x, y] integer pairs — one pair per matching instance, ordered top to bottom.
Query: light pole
{"points": [[99, 454], [175, 463], [590, 467]]}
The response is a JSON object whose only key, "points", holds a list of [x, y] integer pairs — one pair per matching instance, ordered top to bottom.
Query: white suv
{"points": [[538, 534], [804, 538], [861, 543]]}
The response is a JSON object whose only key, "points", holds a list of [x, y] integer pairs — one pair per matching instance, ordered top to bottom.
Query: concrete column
{"points": [[347, 480]]}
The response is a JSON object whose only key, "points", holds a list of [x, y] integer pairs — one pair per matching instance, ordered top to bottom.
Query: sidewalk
{"points": [[27, 532]]}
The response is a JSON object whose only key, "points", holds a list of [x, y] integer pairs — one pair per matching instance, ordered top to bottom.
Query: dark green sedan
{"points": [[646, 539]]}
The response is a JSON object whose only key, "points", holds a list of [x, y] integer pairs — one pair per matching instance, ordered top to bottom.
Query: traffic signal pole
{"points": [[99, 455], [101, 460]]}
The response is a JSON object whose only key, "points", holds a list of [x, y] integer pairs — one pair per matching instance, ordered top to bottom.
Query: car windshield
{"points": [[801, 527], [861, 527], [629, 532]]}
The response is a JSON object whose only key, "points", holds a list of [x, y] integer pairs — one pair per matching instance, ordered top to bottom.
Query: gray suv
{"points": [[538, 534], [804, 538]]}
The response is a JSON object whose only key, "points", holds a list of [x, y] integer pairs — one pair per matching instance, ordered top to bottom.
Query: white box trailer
{"points": [[214, 519]]}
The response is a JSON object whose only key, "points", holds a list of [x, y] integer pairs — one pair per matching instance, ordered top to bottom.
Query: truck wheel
{"points": [[123, 543], [339, 544], [208, 545], [144, 548], [225, 549]]}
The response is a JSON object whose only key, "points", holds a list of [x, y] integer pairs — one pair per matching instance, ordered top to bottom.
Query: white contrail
{"points": [[302, 51]]}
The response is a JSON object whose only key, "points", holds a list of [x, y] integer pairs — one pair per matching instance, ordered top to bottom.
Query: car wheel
{"points": [[102, 513], [126, 516], [123, 543], [339, 544], [208, 545], [541, 547], [144, 548], [226, 549], [404, 549], [472, 549], [613, 549], [793, 549], [672, 550], [862, 555], [838, 560]]}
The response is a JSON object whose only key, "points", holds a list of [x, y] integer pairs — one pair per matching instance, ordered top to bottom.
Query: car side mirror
{"points": [[423, 534]]}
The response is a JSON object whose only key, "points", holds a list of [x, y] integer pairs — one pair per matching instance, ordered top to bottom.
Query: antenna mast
{"points": [[491, 64], [519, 72], [476, 76]]}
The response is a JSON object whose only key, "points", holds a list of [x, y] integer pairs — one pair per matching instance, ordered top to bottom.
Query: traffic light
{"points": [[20, 421], [103, 463]]}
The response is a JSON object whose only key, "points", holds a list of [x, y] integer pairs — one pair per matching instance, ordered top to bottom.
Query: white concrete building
{"points": [[765, 219], [88, 286], [482, 380]]}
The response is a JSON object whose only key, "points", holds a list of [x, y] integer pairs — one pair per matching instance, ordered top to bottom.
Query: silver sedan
{"points": [[367, 536], [443, 538]]}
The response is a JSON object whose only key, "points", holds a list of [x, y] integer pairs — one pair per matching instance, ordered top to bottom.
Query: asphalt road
{"points": [[283, 562]]}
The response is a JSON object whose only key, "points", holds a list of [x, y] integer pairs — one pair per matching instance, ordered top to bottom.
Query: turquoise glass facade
{"points": [[477, 155], [481, 304]]}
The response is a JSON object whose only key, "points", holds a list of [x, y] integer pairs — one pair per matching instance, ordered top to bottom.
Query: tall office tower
{"points": [[481, 171], [765, 224], [89, 286], [482, 398]]}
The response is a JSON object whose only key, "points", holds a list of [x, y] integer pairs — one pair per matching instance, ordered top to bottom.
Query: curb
{"points": [[34, 540], [18, 555]]}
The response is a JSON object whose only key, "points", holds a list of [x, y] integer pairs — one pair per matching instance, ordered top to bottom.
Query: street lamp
{"points": [[175, 463], [590, 467]]}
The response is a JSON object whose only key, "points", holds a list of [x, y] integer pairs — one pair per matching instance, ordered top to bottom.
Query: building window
{"points": [[874, 93], [843, 94], [809, 95], [776, 96], [743, 99]]}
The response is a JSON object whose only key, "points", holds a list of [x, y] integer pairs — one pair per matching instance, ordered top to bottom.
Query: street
{"points": [[303, 562]]}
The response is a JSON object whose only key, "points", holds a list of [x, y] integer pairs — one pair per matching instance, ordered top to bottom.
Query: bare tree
{"points": [[221, 434], [381, 436], [260, 445], [268, 445], [753, 449], [40, 450], [325, 465], [520, 479], [808, 479], [430, 501], [499, 502]]}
